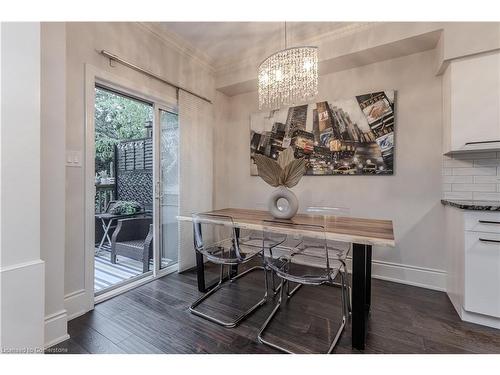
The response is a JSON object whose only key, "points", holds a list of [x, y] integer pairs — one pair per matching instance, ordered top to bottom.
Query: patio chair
{"points": [[133, 238]]}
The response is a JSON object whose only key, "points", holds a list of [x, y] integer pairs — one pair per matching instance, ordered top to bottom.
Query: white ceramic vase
{"points": [[283, 203]]}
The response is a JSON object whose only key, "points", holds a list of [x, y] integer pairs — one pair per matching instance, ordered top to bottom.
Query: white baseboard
{"points": [[422, 277], [76, 303], [22, 306], [484, 320], [56, 328], [56, 341]]}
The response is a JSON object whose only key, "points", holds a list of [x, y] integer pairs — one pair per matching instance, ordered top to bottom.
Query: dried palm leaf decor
{"points": [[284, 174]]}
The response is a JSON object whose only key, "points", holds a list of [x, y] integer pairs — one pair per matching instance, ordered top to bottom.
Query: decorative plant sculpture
{"points": [[284, 173]]}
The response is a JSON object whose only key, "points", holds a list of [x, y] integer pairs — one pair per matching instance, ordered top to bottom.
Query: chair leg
{"points": [[145, 260], [345, 276], [274, 284], [347, 285], [274, 288], [348, 290], [345, 294], [289, 295], [344, 315], [270, 318], [233, 323]]}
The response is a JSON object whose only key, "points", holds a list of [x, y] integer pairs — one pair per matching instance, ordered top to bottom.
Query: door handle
{"points": [[476, 143], [158, 194], [489, 222], [487, 240]]}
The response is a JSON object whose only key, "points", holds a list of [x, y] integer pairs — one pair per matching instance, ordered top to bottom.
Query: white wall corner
{"points": [[441, 64], [22, 272]]}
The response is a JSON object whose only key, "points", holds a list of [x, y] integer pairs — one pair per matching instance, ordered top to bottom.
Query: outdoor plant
{"points": [[126, 208]]}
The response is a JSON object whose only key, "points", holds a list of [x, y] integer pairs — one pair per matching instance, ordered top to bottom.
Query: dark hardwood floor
{"points": [[154, 318]]}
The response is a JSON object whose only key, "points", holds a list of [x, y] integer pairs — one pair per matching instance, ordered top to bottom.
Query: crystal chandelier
{"points": [[288, 76]]}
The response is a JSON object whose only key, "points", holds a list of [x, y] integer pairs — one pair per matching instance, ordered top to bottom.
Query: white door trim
{"points": [[93, 76], [158, 191]]}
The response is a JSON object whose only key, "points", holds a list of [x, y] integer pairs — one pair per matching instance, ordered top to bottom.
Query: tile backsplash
{"points": [[473, 175]]}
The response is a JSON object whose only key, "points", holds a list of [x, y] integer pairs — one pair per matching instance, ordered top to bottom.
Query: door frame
{"points": [[95, 76], [157, 107]]}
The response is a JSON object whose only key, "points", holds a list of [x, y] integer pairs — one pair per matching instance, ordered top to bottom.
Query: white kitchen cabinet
{"points": [[471, 104], [473, 264], [482, 273]]}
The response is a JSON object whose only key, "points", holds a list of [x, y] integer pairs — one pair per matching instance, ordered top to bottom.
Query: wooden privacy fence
{"points": [[133, 171]]}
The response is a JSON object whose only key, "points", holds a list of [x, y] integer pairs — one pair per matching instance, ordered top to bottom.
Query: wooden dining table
{"points": [[362, 233]]}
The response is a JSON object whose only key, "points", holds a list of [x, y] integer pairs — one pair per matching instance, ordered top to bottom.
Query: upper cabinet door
{"points": [[471, 93]]}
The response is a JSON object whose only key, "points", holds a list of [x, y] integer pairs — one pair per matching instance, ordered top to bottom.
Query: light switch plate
{"points": [[73, 158]]}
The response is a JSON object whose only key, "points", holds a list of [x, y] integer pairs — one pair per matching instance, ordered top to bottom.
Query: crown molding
{"points": [[339, 33], [179, 44], [185, 48]]}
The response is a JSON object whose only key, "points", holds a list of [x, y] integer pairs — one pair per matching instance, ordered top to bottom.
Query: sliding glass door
{"points": [[136, 152], [168, 187], [123, 189]]}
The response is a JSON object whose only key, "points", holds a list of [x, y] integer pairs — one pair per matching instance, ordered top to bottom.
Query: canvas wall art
{"points": [[343, 137]]}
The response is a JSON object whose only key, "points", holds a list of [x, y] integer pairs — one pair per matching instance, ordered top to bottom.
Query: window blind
{"points": [[196, 168]]}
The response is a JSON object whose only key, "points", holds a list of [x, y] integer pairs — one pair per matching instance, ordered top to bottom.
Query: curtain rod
{"points": [[149, 73]]}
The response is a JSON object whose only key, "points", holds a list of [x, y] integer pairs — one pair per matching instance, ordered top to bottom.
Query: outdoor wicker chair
{"points": [[133, 238]]}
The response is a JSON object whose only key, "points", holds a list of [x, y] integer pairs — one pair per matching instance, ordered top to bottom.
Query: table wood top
{"points": [[347, 229]]}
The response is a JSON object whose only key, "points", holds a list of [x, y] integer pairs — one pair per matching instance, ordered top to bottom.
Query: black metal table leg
{"points": [[200, 269], [200, 272], [200, 275], [361, 293], [368, 298]]}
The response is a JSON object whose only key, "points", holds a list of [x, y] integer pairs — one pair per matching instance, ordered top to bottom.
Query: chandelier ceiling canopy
{"points": [[288, 76]]}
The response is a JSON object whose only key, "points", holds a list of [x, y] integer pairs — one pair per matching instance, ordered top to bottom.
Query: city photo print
{"points": [[343, 137]]}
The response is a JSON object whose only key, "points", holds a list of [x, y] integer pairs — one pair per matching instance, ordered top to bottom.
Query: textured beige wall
{"points": [[135, 43], [52, 176], [411, 197]]}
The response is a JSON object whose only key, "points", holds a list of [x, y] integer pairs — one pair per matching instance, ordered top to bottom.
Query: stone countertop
{"points": [[472, 205]]}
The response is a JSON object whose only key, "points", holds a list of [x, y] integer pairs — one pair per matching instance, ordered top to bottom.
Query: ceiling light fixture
{"points": [[288, 76]]}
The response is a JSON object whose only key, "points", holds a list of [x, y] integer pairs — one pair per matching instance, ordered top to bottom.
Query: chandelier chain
{"points": [[285, 36]]}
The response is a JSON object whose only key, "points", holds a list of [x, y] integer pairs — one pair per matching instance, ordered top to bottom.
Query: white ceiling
{"points": [[227, 42]]}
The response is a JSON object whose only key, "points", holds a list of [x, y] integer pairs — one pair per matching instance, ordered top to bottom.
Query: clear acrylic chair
{"points": [[216, 237], [254, 238], [337, 250], [292, 261]]}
